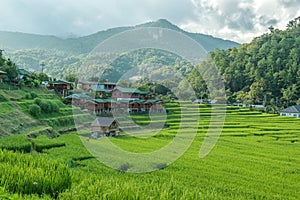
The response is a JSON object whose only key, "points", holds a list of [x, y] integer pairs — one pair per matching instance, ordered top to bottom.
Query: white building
{"points": [[293, 111]]}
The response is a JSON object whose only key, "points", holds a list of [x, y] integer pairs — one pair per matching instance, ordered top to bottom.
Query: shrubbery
{"points": [[31, 95], [37, 101], [45, 106], [49, 106], [35, 110]]}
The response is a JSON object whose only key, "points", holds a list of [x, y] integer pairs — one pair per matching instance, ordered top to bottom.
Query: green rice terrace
{"points": [[43, 157]]}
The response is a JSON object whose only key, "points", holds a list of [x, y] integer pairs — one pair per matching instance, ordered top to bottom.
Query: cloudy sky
{"points": [[238, 20]]}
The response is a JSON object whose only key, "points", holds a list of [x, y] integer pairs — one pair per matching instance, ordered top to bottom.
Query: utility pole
{"points": [[43, 65]]}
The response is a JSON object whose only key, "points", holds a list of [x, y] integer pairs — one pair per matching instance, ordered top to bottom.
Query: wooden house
{"points": [[108, 85], [87, 86], [93, 86], [61, 87], [102, 93], [121, 93], [77, 99], [154, 104], [90, 105], [105, 106], [136, 106], [292, 111], [104, 126]]}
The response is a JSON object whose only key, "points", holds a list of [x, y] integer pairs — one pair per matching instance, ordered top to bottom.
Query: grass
{"points": [[6, 108], [16, 119], [16, 143], [256, 157], [255, 166], [32, 174]]}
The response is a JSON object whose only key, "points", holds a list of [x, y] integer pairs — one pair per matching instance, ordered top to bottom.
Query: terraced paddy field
{"points": [[255, 157]]}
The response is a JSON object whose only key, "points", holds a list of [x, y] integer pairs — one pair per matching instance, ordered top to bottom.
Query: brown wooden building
{"points": [[93, 86], [61, 87], [129, 93], [77, 99], [104, 126]]}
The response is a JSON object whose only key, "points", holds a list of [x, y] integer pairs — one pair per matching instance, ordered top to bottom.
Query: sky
{"points": [[237, 20]]}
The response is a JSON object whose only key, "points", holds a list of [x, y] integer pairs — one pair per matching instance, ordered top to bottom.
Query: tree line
{"points": [[265, 71]]}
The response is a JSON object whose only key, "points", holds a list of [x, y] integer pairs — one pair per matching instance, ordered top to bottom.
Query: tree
{"points": [[294, 23], [11, 70], [43, 77], [72, 78], [123, 83], [185, 91], [257, 91], [290, 95]]}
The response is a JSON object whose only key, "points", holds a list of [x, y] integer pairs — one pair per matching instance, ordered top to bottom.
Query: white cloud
{"points": [[238, 20], [241, 20]]}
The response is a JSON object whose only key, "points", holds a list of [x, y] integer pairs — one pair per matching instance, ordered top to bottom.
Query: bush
{"points": [[33, 95], [27, 96], [37, 101], [46, 105], [49, 106], [54, 107], [35, 110]]}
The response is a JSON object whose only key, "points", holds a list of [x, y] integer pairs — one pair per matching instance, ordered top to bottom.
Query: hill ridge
{"points": [[80, 45]]}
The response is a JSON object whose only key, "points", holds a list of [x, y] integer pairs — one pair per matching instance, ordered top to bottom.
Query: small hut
{"points": [[104, 126]]}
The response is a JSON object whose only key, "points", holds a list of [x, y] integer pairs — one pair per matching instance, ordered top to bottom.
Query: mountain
{"points": [[19, 41], [65, 56]]}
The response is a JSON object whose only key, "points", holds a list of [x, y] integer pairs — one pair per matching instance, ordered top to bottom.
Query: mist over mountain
{"points": [[13, 41], [66, 56]]}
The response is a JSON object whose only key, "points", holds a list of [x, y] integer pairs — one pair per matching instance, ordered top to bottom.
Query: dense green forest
{"points": [[267, 70]]}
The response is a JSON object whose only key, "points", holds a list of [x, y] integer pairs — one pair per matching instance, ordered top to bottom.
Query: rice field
{"points": [[256, 157]]}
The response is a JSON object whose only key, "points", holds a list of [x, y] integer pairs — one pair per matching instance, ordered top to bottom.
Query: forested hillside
{"points": [[64, 56], [267, 70]]}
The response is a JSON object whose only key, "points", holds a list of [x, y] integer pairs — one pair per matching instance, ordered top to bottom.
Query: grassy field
{"points": [[16, 119], [256, 157]]}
